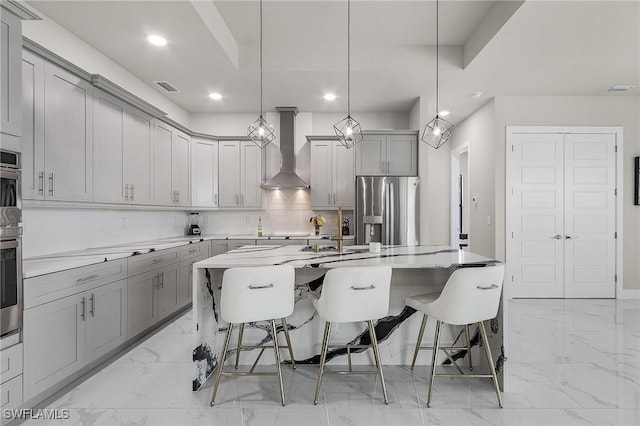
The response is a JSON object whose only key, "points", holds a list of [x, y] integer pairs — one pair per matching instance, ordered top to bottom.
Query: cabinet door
{"points": [[10, 75], [32, 140], [68, 145], [108, 146], [402, 155], [138, 156], [371, 156], [204, 163], [180, 167], [229, 167], [250, 175], [344, 182], [321, 188], [163, 194], [218, 247], [185, 281], [167, 290], [141, 306], [106, 319], [54, 342]]}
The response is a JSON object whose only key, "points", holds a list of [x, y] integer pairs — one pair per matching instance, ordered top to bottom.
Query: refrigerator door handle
{"points": [[392, 215], [387, 216]]}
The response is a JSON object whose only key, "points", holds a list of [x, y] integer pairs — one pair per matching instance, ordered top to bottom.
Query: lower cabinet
{"points": [[152, 296], [62, 336]]}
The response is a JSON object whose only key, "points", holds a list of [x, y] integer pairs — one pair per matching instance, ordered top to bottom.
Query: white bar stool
{"points": [[253, 294], [353, 295], [471, 295]]}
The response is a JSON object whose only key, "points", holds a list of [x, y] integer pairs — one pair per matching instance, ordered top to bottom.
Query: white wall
{"points": [[50, 35], [323, 122], [479, 132], [486, 132], [54, 230]]}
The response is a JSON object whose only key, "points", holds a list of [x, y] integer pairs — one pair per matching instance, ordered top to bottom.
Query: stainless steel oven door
{"points": [[10, 197], [10, 280]]}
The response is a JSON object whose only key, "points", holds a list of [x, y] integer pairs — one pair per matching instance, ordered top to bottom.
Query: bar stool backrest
{"points": [[257, 293], [355, 294], [469, 296]]}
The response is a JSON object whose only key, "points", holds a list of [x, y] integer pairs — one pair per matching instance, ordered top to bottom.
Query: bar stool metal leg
{"points": [[466, 331], [286, 335], [419, 342], [239, 345], [487, 350], [276, 352], [376, 354], [223, 356], [434, 356], [323, 358]]}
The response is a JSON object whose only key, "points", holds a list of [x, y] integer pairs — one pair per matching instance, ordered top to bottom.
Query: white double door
{"points": [[561, 215]]}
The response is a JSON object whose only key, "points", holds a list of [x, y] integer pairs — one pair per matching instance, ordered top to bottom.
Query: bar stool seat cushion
{"points": [[420, 301]]}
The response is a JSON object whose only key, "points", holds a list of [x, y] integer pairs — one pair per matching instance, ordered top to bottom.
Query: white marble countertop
{"points": [[395, 256], [57, 262]]}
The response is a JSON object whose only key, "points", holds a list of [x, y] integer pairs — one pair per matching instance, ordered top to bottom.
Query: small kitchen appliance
{"points": [[194, 228]]}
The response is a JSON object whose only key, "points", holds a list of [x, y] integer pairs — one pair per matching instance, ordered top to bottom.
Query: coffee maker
{"points": [[194, 228]]}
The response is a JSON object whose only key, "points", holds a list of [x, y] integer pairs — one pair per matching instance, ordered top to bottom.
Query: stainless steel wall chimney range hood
{"points": [[287, 177]]}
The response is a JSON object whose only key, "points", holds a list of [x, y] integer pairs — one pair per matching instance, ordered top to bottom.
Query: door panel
{"points": [[108, 148], [138, 156], [321, 174], [229, 180], [163, 195], [535, 215], [589, 256], [106, 318]]}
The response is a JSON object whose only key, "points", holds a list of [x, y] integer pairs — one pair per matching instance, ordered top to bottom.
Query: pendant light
{"points": [[348, 130], [260, 131], [438, 131]]}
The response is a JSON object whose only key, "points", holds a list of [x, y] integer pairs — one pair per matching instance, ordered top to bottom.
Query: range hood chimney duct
{"points": [[287, 177]]}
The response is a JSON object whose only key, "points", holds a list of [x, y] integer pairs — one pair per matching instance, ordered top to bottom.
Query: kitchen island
{"points": [[416, 270]]}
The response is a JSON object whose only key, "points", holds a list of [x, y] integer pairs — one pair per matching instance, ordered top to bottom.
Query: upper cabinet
{"points": [[10, 76], [58, 137], [122, 152], [387, 154], [240, 164], [171, 166], [204, 172], [332, 175]]}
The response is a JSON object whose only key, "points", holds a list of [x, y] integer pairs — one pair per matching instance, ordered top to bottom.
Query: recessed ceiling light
{"points": [[157, 40], [476, 95], [215, 96], [329, 97], [443, 113]]}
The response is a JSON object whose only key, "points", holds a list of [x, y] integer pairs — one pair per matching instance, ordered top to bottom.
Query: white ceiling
{"points": [[545, 48]]}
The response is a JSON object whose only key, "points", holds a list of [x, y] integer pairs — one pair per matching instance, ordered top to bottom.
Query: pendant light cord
{"points": [[437, 56], [260, 58], [349, 58]]}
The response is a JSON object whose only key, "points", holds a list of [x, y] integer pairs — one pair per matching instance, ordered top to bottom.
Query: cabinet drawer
{"points": [[191, 250], [148, 262], [49, 287], [11, 363], [11, 394]]}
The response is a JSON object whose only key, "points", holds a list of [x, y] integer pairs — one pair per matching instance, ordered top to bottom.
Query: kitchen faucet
{"points": [[338, 237]]}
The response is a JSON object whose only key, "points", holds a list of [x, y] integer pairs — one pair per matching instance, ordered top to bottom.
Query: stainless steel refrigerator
{"points": [[387, 210]]}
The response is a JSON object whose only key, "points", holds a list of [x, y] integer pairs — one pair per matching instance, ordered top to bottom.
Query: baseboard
{"points": [[629, 294]]}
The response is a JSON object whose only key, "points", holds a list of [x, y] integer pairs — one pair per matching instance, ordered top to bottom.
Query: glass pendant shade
{"points": [[348, 131], [261, 132], [437, 132]]}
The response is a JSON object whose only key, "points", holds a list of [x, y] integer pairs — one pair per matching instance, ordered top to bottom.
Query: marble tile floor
{"points": [[571, 362]]}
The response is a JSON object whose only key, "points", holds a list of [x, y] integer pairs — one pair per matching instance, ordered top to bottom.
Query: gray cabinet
{"points": [[10, 79], [392, 154], [240, 164], [171, 166], [204, 172], [332, 175], [142, 312], [62, 336]]}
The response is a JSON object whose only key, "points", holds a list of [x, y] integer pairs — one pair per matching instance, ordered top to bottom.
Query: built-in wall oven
{"points": [[10, 242]]}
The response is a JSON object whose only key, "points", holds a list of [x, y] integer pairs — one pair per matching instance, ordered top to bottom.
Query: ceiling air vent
{"points": [[166, 86], [619, 88]]}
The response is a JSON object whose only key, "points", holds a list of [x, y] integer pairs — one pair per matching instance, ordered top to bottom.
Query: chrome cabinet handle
{"points": [[41, 183], [51, 189], [126, 192], [131, 196], [178, 197], [215, 199], [237, 199], [242, 199], [557, 237], [192, 251], [157, 260], [87, 278], [161, 279], [256, 287], [371, 287], [491, 287], [92, 310], [83, 311]]}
